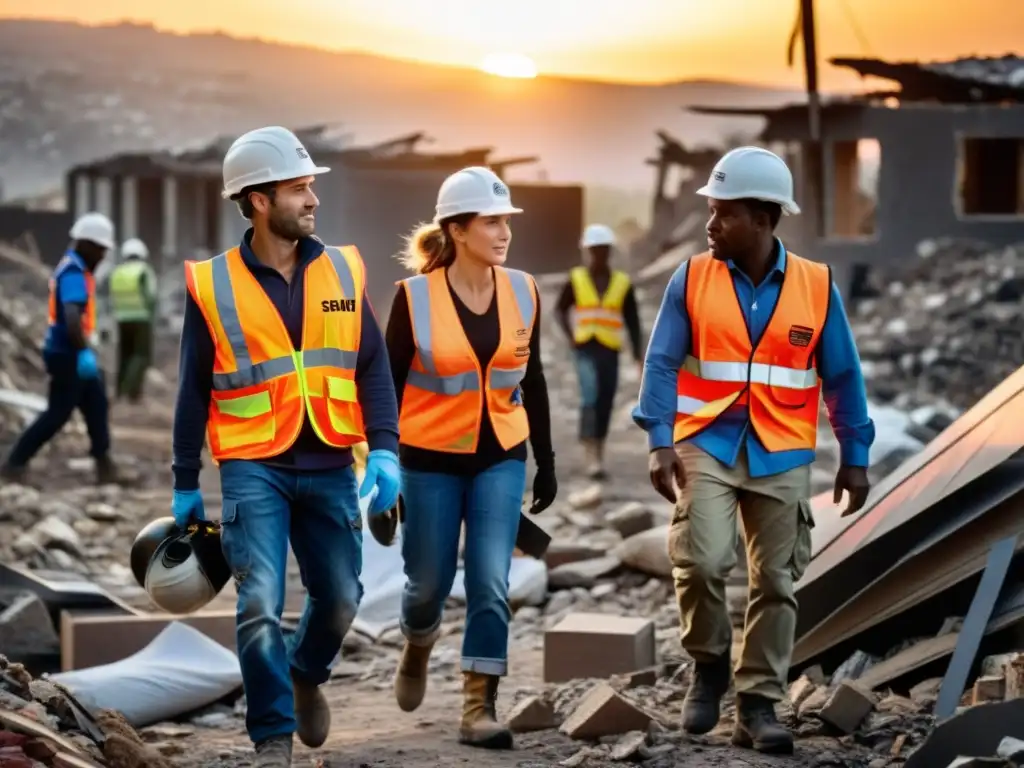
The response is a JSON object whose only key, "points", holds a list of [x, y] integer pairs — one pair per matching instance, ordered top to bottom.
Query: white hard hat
{"points": [[266, 155], [752, 172], [474, 190], [94, 227], [597, 234], [134, 247]]}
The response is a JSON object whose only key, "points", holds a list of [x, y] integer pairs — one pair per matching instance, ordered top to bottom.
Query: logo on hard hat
{"points": [[302, 153], [718, 176], [499, 189]]}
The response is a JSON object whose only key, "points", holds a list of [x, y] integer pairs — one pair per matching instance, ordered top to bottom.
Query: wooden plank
{"points": [[973, 630], [90, 639], [18, 723]]}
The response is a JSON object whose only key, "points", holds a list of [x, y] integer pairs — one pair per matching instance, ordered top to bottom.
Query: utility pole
{"points": [[814, 149]]}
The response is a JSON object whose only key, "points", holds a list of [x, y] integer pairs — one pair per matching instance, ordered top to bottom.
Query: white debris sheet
{"points": [[180, 671]]}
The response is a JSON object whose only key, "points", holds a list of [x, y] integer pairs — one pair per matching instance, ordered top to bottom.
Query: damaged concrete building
{"points": [[948, 144], [372, 197]]}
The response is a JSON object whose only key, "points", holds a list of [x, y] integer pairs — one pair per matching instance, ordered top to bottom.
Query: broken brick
{"points": [[597, 645], [1015, 677], [988, 689], [800, 690], [848, 705], [603, 712], [532, 714]]}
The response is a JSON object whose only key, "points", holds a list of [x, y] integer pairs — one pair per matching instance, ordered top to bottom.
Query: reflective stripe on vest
{"points": [[89, 315], [598, 317], [776, 382], [262, 387], [441, 403]]}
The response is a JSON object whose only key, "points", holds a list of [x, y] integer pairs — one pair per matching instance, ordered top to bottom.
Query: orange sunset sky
{"points": [[629, 40]]}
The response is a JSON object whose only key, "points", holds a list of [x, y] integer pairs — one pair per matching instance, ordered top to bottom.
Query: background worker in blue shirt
{"points": [[76, 380], [720, 461]]}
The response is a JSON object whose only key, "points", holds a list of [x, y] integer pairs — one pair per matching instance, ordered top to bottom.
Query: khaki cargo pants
{"points": [[776, 519]]}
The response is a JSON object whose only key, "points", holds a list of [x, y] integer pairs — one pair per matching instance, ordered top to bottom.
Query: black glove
{"points": [[545, 488]]}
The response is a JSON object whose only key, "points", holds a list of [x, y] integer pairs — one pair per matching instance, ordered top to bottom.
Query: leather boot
{"points": [[106, 470], [411, 675], [702, 706], [312, 713], [480, 726], [757, 726], [275, 752]]}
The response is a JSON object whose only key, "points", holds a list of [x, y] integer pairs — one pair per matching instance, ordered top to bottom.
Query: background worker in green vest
{"points": [[133, 299], [596, 304]]}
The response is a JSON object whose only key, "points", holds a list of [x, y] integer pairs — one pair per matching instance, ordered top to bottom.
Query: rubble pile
{"points": [[949, 330], [43, 725]]}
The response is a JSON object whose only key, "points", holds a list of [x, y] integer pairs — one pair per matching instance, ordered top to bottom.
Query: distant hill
{"points": [[70, 93]]}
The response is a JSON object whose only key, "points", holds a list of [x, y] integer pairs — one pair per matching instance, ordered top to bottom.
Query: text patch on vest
{"points": [[338, 305], [800, 335]]}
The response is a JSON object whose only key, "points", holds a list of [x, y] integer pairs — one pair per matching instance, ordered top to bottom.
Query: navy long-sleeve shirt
{"points": [[838, 366], [195, 377]]}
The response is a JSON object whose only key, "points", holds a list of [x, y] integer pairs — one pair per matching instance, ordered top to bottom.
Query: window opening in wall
{"points": [[855, 166], [990, 177]]}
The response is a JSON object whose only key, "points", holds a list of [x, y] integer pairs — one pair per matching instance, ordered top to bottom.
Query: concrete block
{"points": [[597, 645], [988, 689], [848, 705], [603, 712], [532, 714]]}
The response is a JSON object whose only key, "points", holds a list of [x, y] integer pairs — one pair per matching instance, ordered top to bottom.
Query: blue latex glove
{"points": [[88, 367], [381, 472], [187, 507]]}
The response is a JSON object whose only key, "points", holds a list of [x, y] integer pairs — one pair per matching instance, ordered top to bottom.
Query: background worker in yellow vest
{"points": [[133, 294], [596, 306], [748, 338], [464, 341], [284, 368]]}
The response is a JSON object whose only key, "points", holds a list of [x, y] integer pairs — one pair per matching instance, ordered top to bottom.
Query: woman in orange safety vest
{"points": [[464, 343]]}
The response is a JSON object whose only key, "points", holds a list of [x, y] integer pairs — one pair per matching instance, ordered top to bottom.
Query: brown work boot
{"points": [[591, 459], [106, 470], [9, 473], [411, 675], [703, 702], [312, 713], [480, 726], [757, 726], [275, 752]]}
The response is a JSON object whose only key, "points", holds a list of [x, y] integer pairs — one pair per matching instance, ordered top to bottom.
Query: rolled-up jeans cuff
{"points": [[421, 637], [496, 667]]}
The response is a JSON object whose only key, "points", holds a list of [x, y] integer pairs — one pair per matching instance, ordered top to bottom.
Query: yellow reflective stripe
{"points": [[341, 389], [245, 406]]}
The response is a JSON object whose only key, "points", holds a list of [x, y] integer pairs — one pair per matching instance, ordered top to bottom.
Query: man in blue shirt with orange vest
{"points": [[748, 338], [284, 368], [76, 381]]}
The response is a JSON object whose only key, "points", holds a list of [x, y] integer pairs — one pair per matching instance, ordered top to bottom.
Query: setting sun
{"points": [[509, 65]]}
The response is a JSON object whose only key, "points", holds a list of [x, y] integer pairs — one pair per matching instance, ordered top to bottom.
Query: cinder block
{"points": [[597, 645], [849, 704], [603, 712], [532, 714]]}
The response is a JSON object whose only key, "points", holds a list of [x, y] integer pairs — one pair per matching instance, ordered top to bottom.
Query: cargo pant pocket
{"points": [[234, 541], [802, 543], [679, 547]]}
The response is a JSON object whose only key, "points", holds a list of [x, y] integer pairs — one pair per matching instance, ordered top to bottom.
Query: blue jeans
{"points": [[435, 506], [319, 511]]}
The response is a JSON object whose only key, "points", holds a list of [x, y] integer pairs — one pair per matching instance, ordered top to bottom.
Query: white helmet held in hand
{"points": [[263, 156], [752, 172], [474, 190], [94, 227], [597, 234], [134, 247]]}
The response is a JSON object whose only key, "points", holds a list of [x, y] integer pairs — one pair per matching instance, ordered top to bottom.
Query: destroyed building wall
{"points": [[923, 169], [49, 229]]}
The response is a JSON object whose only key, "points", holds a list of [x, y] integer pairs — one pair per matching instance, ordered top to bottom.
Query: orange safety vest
{"points": [[89, 316], [777, 379], [263, 387], [443, 399]]}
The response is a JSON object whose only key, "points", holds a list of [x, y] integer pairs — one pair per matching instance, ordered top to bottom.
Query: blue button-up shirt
{"points": [[838, 367]]}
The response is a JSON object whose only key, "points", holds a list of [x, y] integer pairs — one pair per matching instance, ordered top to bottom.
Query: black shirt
{"points": [[483, 333]]}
